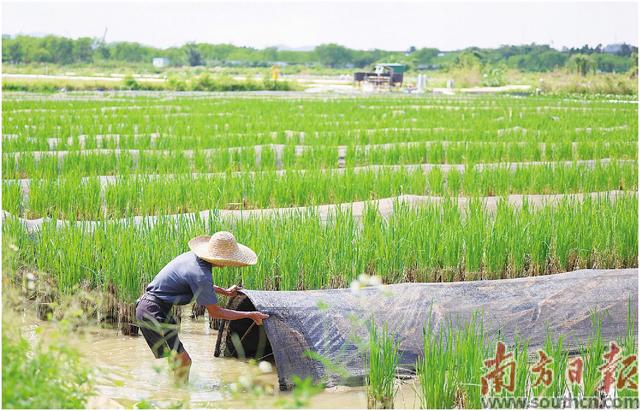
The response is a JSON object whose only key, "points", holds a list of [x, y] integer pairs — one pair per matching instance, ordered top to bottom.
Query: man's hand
{"points": [[231, 291], [216, 311], [258, 317]]}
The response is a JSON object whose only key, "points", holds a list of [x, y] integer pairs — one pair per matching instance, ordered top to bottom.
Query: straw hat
{"points": [[222, 249]]}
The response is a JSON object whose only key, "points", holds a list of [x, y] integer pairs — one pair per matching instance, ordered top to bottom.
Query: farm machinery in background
{"points": [[384, 76]]}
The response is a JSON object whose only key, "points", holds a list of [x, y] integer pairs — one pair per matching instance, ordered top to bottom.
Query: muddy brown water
{"points": [[126, 374]]}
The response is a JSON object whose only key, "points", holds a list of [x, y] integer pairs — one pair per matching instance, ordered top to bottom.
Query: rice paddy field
{"points": [[101, 158], [82, 173]]}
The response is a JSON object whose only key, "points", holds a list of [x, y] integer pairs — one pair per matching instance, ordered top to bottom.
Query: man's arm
{"points": [[215, 311]]}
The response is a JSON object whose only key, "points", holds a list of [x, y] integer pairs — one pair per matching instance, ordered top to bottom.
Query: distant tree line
{"points": [[533, 58]]}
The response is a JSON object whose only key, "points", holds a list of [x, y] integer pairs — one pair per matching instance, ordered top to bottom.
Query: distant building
{"points": [[160, 62]]}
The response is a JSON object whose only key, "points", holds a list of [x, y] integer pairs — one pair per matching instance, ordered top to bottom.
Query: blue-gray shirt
{"points": [[184, 278]]}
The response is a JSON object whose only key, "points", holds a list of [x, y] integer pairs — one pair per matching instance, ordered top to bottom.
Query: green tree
{"points": [[59, 50], [83, 50], [625, 50], [14, 52], [103, 52], [132, 52], [220, 52], [270, 54], [193, 55], [333, 55], [176, 56], [424, 56], [528, 57], [366, 58], [469, 60], [548, 60], [612, 63], [582, 64], [634, 64], [493, 76]]}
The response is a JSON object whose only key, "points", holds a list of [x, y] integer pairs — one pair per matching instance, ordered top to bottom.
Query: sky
{"points": [[355, 24]]}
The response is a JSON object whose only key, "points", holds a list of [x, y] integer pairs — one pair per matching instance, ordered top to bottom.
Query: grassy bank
{"points": [[559, 81], [201, 83]]}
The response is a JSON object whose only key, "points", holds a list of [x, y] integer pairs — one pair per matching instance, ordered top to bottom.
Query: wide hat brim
{"points": [[241, 257]]}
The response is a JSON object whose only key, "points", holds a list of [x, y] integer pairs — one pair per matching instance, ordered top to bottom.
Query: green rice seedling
{"points": [[231, 118], [226, 121], [563, 150], [620, 150], [437, 152], [289, 157], [317, 157], [222, 158], [243, 159], [267, 159], [160, 163], [9, 167], [547, 179], [436, 181], [188, 193], [139, 196], [12, 198], [75, 199], [474, 233], [501, 242], [440, 243], [434, 252], [629, 346], [469, 351], [594, 351], [592, 355], [383, 361], [453, 364], [450, 371], [435, 376], [522, 379], [549, 379], [522, 382]]}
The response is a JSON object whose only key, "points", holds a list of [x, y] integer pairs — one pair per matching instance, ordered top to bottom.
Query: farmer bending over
{"points": [[187, 277]]}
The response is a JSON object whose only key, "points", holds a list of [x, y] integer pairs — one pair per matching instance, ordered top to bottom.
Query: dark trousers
{"points": [[158, 326]]}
